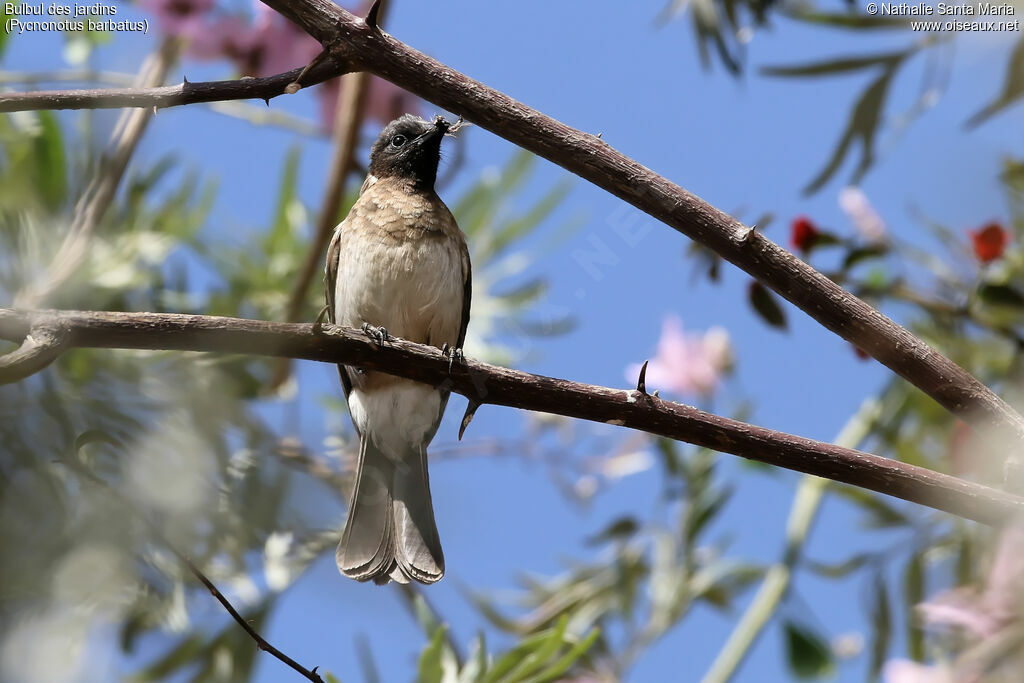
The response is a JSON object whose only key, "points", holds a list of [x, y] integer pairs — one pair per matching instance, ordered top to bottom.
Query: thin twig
{"points": [[246, 88], [502, 386], [261, 642]]}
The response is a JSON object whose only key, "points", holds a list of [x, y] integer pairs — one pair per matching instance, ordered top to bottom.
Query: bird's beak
{"points": [[437, 132]]}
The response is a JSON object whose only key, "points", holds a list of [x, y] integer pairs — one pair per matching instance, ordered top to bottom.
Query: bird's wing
{"points": [[330, 284], [467, 295]]}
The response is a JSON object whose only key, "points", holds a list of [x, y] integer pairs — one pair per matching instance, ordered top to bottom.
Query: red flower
{"points": [[803, 233], [989, 242]]}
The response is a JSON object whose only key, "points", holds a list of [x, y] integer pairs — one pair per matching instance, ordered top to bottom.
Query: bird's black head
{"points": [[409, 148]]}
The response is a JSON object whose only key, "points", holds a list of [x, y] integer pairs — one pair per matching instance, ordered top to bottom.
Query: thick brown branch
{"points": [[352, 41], [355, 45], [171, 95], [501, 386]]}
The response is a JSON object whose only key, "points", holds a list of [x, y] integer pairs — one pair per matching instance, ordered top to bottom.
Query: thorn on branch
{"points": [[372, 14], [296, 85], [744, 235], [318, 324], [641, 383], [471, 408]]}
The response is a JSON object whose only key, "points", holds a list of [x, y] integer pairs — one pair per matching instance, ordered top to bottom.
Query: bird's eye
{"points": [[398, 141]]}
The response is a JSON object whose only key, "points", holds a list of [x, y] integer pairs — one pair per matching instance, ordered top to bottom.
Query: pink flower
{"points": [[183, 18], [268, 45], [282, 45], [385, 101], [865, 219], [687, 363], [987, 611], [906, 671]]}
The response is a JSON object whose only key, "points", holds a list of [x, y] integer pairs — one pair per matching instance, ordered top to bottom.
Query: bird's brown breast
{"points": [[402, 264]]}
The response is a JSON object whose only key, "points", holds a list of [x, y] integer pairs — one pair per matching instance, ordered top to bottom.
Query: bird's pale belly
{"points": [[414, 288]]}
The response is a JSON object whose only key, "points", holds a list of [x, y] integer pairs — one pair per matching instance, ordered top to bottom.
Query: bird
{"points": [[397, 265]]}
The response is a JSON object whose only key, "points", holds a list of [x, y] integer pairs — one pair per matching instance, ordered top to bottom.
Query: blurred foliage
{"points": [[729, 25], [185, 433], [186, 436], [648, 576]]}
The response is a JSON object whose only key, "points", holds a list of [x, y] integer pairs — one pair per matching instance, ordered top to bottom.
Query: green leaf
{"points": [[835, 66], [1013, 87], [863, 125], [50, 171], [475, 210], [515, 229], [281, 235], [859, 254], [525, 293], [1000, 295], [766, 305], [669, 456], [703, 510], [880, 513], [621, 528], [965, 558], [839, 570], [913, 595], [881, 621], [808, 655], [177, 658], [508, 661], [534, 661], [476, 664], [560, 666], [430, 669], [331, 678]]}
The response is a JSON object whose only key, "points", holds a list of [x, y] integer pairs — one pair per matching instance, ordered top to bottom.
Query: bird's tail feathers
{"points": [[390, 531], [417, 544], [366, 549]]}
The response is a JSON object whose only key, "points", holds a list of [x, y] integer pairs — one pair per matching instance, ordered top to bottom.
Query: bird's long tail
{"points": [[390, 531]]}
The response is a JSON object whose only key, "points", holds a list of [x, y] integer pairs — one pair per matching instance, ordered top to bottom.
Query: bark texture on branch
{"points": [[351, 41], [356, 45], [171, 95], [485, 383]]}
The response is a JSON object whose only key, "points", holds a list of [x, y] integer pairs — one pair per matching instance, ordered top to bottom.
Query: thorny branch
{"points": [[354, 44], [483, 383]]}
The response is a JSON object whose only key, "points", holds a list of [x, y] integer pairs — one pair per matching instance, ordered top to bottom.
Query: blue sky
{"points": [[746, 145]]}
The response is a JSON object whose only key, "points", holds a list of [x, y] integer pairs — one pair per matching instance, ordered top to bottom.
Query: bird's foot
{"points": [[318, 324], [377, 334], [452, 355]]}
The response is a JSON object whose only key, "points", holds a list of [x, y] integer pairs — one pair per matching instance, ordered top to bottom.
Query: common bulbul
{"points": [[397, 265]]}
